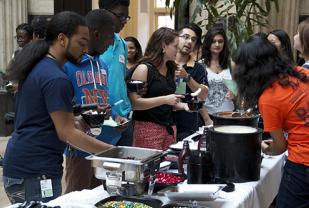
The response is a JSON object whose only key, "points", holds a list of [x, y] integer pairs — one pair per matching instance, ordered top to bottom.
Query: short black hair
{"points": [[110, 4], [99, 19], [65, 22], [39, 25], [26, 27], [196, 29]]}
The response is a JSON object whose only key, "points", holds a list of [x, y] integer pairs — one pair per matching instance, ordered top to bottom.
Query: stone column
{"points": [[12, 13]]}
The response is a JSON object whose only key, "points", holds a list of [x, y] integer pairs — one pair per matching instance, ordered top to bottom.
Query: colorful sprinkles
{"points": [[125, 204]]}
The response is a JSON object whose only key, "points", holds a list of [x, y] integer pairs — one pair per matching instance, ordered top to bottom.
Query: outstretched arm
{"points": [[68, 133]]}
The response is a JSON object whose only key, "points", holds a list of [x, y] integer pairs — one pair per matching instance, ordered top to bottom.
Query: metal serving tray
{"points": [[127, 155], [143, 162]]}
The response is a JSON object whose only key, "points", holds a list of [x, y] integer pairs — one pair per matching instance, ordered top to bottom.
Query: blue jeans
{"points": [[294, 187], [21, 190]]}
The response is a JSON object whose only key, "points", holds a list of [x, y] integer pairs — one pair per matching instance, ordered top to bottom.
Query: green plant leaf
{"points": [[268, 6], [226, 10], [261, 10], [214, 11], [246, 15]]}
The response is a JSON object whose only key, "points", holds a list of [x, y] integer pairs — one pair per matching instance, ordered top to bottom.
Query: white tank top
{"points": [[216, 100]]}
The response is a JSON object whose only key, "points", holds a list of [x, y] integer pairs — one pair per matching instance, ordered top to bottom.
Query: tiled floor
{"points": [[3, 198], [4, 202]]}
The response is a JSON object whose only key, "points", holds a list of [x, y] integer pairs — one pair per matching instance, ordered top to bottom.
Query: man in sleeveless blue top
{"points": [[116, 57]]}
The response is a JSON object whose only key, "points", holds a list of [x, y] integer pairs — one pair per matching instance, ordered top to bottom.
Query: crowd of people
{"points": [[85, 60]]}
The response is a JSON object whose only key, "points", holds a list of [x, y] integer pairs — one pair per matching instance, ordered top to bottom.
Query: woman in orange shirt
{"points": [[282, 94]]}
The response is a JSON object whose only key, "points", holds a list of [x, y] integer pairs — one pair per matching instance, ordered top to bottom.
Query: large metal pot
{"points": [[228, 118], [236, 153]]}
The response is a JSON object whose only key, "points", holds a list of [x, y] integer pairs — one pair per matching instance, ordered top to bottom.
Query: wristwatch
{"points": [[188, 78]]}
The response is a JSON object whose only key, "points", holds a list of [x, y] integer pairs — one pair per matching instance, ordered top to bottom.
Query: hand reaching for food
{"points": [[106, 109]]}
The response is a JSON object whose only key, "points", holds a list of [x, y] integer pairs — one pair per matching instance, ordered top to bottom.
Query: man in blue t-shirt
{"points": [[116, 57], [90, 83], [44, 122]]}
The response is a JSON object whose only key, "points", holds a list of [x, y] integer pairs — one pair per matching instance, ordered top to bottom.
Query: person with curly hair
{"points": [[281, 91]]}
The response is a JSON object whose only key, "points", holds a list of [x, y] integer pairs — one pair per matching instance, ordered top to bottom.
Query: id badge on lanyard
{"points": [[46, 188]]}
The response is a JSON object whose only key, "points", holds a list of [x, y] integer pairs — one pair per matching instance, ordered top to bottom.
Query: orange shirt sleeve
{"points": [[270, 112]]}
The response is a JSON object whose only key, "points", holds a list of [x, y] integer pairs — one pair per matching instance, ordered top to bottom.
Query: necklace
{"points": [[51, 56], [54, 58], [216, 68]]}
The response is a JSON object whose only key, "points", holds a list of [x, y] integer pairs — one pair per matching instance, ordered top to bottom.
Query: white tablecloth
{"points": [[257, 194]]}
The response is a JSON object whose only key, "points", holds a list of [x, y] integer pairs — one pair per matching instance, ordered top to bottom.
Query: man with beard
{"points": [[116, 57], [193, 75], [89, 79], [44, 122]]}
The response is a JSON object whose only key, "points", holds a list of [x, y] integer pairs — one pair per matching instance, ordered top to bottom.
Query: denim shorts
{"points": [[294, 187], [21, 190]]}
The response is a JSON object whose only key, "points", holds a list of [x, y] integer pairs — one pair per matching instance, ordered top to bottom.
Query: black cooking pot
{"points": [[228, 118], [236, 153]]}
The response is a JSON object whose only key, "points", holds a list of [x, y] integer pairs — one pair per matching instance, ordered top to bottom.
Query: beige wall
{"points": [[95, 4], [40, 7], [304, 7], [143, 33]]}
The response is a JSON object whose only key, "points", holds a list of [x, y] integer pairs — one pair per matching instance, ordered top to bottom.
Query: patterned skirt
{"points": [[152, 135]]}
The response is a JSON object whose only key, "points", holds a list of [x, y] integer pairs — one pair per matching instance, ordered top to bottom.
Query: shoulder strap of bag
{"points": [[150, 73]]}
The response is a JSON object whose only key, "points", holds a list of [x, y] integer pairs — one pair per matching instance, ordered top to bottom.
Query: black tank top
{"points": [[158, 85]]}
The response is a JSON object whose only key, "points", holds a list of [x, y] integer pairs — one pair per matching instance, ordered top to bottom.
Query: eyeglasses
{"points": [[122, 18], [188, 37]]}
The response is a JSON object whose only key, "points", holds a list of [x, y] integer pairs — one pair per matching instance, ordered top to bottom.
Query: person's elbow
{"points": [[204, 93], [135, 102], [138, 106], [65, 135], [279, 144]]}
